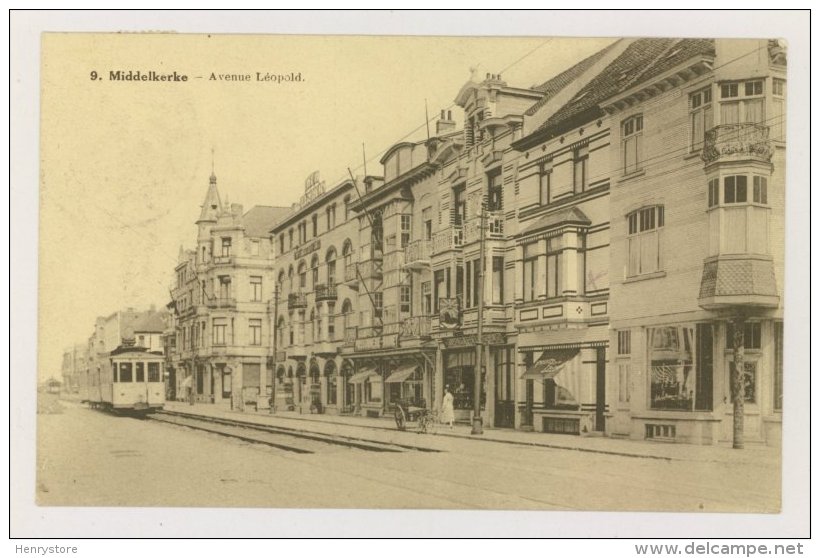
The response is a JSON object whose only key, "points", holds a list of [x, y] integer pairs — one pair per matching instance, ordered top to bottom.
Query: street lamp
{"points": [[478, 427]]}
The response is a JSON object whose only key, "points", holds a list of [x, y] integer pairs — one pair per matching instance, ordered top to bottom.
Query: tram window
{"points": [[114, 371], [140, 371], [153, 372], [126, 374]]}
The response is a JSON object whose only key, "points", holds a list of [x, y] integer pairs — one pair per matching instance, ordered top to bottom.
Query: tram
{"points": [[132, 379]]}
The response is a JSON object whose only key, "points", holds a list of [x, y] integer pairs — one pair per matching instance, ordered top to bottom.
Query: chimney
{"points": [[445, 124]]}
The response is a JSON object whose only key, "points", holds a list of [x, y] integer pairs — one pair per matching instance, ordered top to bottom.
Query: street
{"points": [[90, 458]]}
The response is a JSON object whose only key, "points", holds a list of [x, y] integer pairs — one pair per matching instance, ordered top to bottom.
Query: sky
{"points": [[125, 165]]}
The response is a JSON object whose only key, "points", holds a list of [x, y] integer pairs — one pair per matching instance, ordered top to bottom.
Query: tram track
{"points": [[284, 438]]}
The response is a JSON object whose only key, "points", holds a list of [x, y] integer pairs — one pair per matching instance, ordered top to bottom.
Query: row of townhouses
{"points": [[590, 255]]}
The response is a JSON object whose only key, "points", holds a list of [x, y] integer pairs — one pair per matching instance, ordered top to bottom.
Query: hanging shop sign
{"points": [[472, 340], [390, 341]]}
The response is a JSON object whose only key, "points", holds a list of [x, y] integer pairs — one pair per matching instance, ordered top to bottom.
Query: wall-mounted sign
{"points": [[307, 249]]}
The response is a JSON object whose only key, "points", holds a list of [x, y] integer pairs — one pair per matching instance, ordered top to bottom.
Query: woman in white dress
{"points": [[447, 414]]}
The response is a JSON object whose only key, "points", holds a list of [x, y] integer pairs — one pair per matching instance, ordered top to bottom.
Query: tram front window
{"points": [[140, 371], [126, 372], [153, 372]]}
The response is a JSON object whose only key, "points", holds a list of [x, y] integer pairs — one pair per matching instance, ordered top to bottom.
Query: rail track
{"points": [[279, 437]]}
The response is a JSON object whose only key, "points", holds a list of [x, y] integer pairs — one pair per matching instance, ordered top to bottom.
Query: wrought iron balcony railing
{"points": [[737, 142], [417, 253], [326, 291], [297, 300], [221, 302]]}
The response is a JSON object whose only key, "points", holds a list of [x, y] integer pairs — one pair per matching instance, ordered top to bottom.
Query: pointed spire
{"points": [[212, 205]]}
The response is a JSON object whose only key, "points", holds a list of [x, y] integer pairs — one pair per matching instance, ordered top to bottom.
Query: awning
{"points": [[550, 364], [401, 373], [360, 376]]}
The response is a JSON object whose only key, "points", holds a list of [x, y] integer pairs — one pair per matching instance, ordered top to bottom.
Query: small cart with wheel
{"points": [[414, 414]]}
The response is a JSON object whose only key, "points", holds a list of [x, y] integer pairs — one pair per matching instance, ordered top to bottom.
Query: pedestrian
{"points": [[447, 413]]}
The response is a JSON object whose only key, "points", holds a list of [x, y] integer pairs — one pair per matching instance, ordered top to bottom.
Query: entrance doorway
{"points": [[504, 400]]}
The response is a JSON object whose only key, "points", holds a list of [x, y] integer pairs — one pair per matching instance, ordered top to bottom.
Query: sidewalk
{"points": [[384, 429]]}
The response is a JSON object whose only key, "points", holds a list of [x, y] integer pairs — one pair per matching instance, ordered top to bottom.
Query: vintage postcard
{"points": [[540, 273]]}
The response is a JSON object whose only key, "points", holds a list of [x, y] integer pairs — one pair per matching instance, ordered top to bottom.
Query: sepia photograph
{"points": [[513, 273]]}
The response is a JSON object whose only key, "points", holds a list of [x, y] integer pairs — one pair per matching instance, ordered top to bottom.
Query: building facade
{"points": [[221, 296]]}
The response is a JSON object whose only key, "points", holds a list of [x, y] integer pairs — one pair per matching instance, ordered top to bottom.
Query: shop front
{"points": [[459, 378], [406, 383], [368, 391]]}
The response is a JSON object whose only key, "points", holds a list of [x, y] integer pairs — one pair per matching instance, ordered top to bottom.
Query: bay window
{"points": [[530, 277], [554, 287]]}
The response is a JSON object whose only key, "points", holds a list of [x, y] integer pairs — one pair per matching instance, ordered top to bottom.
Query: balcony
{"points": [[737, 142], [494, 223], [451, 238], [417, 254], [222, 260], [351, 275], [326, 292], [297, 300], [221, 303], [187, 312], [416, 326]]}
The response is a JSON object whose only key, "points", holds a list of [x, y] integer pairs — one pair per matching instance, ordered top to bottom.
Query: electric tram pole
{"points": [[477, 420]]}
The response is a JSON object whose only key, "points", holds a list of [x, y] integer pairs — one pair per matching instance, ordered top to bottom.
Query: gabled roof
{"points": [[641, 61], [553, 85], [570, 215], [260, 219]]}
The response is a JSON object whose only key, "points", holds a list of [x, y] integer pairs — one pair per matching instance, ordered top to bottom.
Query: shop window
{"points": [[742, 102], [701, 117], [632, 143], [644, 229], [751, 335], [680, 367], [459, 374], [749, 380], [331, 389]]}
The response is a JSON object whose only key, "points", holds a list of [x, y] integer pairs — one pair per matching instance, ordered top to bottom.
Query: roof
{"points": [[641, 61], [553, 85], [568, 215], [260, 219], [150, 321]]}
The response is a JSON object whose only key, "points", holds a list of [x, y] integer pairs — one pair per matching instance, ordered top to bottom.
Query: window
{"points": [[742, 102], [701, 118], [778, 119], [631, 143], [580, 171], [545, 183], [734, 189], [759, 190], [495, 197], [459, 205], [427, 219], [315, 220], [329, 223], [405, 230], [290, 239], [644, 240], [282, 243], [226, 247], [331, 267], [314, 271], [302, 275], [471, 276], [530, 279], [498, 280], [554, 284], [440, 285], [224, 287], [256, 289], [427, 298], [405, 300], [378, 304], [331, 322], [220, 329], [255, 331], [751, 335], [141, 342], [624, 342], [778, 366], [681, 367], [140, 369], [624, 370], [126, 372], [153, 372], [749, 380], [331, 387]]}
